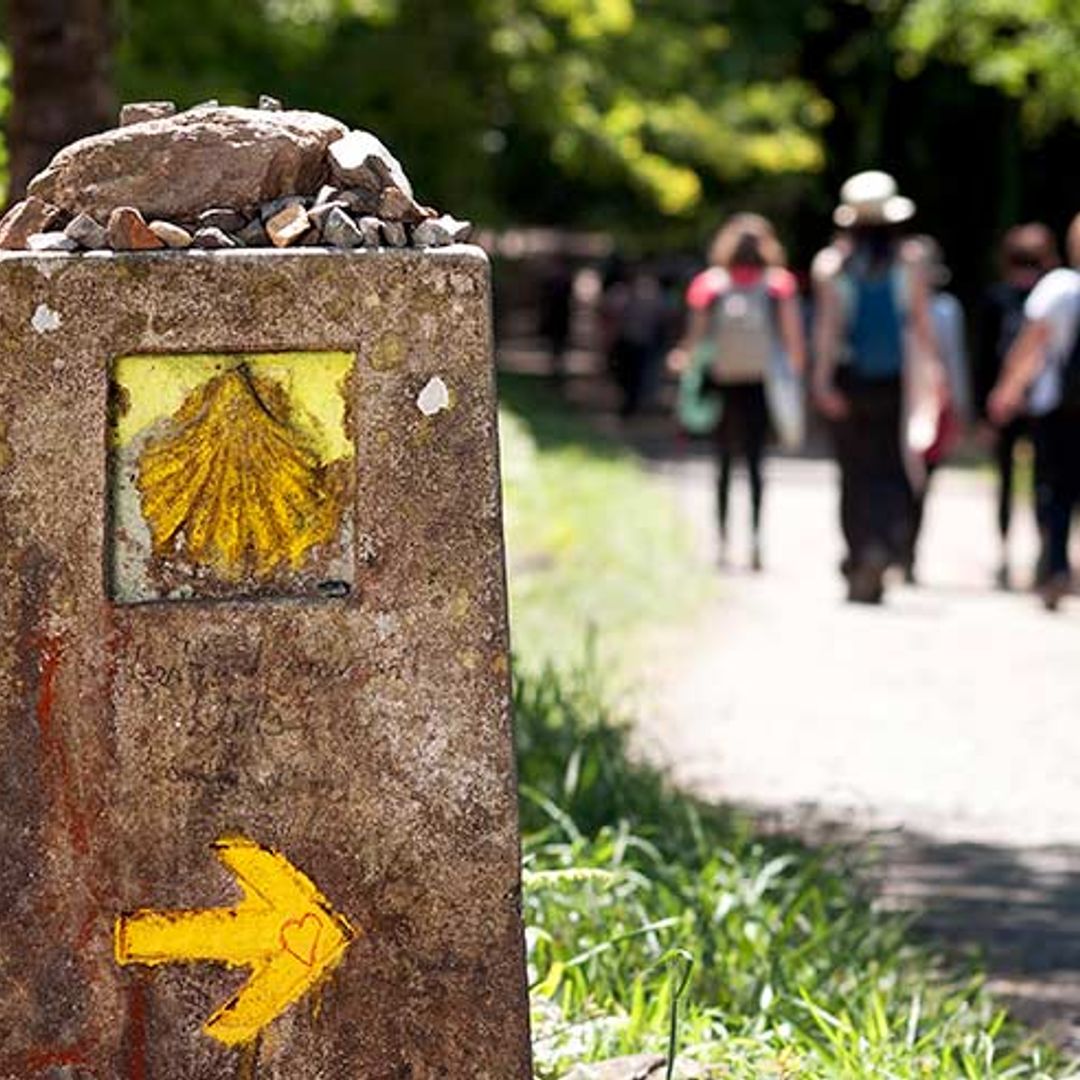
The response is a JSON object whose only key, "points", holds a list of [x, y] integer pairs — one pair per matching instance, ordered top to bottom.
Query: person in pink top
{"points": [[742, 309]]}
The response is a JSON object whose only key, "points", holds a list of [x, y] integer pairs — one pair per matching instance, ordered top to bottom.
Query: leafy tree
{"points": [[1027, 50], [586, 109]]}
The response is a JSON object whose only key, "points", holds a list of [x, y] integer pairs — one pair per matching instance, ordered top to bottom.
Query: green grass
{"points": [[593, 543], [656, 923]]}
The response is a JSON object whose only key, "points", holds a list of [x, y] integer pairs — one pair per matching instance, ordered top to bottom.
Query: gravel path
{"points": [[943, 728]]}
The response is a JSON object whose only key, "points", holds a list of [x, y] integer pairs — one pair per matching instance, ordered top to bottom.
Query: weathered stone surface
{"points": [[136, 112], [209, 156], [361, 160], [25, 218], [227, 220], [288, 226], [339, 230], [127, 231], [440, 231], [87, 233], [253, 234], [395, 234], [172, 235], [213, 239], [51, 241], [365, 736]]}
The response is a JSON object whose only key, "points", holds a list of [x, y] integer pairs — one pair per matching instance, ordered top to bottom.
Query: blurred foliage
{"points": [[1028, 50], [5, 106], [507, 107], [655, 118]]}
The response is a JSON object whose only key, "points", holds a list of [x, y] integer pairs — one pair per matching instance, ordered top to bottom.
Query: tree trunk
{"points": [[61, 79]]}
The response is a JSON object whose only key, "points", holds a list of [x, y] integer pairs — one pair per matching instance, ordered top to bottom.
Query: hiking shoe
{"points": [[757, 563], [1003, 577], [866, 578], [1054, 590]]}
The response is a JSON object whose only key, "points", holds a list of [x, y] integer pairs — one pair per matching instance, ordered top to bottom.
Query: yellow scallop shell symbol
{"points": [[233, 487]]}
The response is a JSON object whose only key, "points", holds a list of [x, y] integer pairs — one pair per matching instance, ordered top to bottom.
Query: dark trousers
{"points": [[743, 432], [1005, 460], [1057, 484], [876, 500], [918, 514]]}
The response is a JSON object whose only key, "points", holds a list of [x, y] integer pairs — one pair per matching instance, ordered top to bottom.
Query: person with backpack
{"points": [[1027, 253], [950, 337], [742, 355], [1043, 370], [878, 378]]}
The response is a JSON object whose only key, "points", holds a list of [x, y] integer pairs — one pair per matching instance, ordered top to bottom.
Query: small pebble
{"points": [[269, 104], [136, 112], [361, 160], [327, 194], [360, 201], [395, 205], [275, 206], [317, 215], [225, 219], [288, 226], [371, 229], [127, 231], [341, 231], [440, 231], [86, 232], [253, 234], [394, 234], [173, 236], [213, 239], [51, 241]]}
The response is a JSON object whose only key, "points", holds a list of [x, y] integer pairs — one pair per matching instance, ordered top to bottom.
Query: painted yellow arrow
{"points": [[283, 929]]}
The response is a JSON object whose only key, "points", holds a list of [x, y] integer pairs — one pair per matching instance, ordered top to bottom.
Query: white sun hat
{"points": [[872, 198]]}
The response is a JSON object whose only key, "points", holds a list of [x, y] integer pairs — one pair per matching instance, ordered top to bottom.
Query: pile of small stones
{"points": [[367, 201]]}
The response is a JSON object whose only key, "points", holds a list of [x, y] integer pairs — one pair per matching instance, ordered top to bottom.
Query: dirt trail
{"points": [[943, 728]]}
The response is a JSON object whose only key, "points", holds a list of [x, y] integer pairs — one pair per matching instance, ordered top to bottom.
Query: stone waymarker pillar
{"points": [[255, 761]]}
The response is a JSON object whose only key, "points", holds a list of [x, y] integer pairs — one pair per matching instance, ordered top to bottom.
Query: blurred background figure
{"points": [[1027, 253], [556, 311], [636, 320], [744, 321], [950, 339], [861, 363], [1043, 369]]}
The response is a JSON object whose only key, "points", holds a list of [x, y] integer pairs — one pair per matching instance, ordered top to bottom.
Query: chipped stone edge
{"points": [[50, 261]]}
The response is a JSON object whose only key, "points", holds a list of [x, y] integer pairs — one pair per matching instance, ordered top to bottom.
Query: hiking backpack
{"points": [[875, 315], [741, 333]]}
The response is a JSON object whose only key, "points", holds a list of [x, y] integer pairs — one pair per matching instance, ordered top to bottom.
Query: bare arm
{"points": [[922, 324], [697, 327], [791, 333], [826, 345], [1021, 367]]}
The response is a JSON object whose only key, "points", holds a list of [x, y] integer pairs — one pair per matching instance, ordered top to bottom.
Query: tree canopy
{"points": [[653, 117]]}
